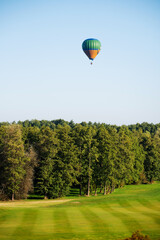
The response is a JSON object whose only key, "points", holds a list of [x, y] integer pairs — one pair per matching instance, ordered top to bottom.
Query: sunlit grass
{"points": [[115, 216]]}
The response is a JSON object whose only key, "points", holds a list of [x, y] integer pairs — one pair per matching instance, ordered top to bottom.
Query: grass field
{"points": [[115, 216]]}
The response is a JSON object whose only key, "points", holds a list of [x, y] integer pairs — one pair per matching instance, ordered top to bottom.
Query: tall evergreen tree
{"points": [[85, 139], [156, 140], [46, 150], [139, 157], [13, 159], [151, 162], [66, 166], [125, 166], [103, 168], [26, 184]]}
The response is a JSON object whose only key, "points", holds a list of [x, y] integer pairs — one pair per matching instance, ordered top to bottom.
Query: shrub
{"points": [[138, 236]]}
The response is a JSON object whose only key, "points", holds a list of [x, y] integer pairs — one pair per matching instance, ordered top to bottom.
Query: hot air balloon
{"points": [[91, 47]]}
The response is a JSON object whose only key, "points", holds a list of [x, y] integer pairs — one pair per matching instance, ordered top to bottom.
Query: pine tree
{"points": [[85, 139], [46, 150], [13, 159], [151, 162], [66, 166], [103, 167]]}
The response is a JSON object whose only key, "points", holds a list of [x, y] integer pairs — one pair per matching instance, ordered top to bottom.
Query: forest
{"points": [[48, 158]]}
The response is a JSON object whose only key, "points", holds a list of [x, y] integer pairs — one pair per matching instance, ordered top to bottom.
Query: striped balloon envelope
{"points": [[91, 47]]}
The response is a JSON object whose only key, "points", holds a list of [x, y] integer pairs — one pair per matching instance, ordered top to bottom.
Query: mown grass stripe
{"points": [[154, 205], [139, 207], [4, 215], [146, 216], [125, 217], [61, 220], [145, 220], [154, 220], [78, 222], [8, 223], [96, 223], [113, 223], [44, 224], [62, 226], [25, 228], [81, 228]]}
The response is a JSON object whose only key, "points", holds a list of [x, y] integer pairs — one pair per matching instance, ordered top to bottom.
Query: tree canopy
{"points": [[50, 157]]}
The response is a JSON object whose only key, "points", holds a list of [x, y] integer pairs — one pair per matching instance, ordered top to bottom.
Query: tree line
{"points": [[150, 127], [50, 157]]}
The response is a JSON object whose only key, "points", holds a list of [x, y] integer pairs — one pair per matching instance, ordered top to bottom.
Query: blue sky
{"points": [[44, 73]]}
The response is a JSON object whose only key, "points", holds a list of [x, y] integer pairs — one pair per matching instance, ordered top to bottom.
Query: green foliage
{"points": [[85, 140], [46, 149], [52, 156], [13, 159], [152, 160], [66, 166], [104, 168]]}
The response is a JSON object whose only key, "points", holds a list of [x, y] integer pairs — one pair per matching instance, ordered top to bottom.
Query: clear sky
{"points": [[44, 73]]}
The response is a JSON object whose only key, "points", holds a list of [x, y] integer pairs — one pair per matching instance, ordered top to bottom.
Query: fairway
{"points": [[115, 216]]}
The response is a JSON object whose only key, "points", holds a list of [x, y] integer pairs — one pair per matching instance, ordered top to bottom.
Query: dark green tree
{"points": [[85, 140], [46, 150], [139, 157], [13, 159], [125, 162], [151, 162], [66, 165], [104, 165]]}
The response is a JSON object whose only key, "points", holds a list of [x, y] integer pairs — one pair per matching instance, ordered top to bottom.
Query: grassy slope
{"points": [[104, 217]]}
